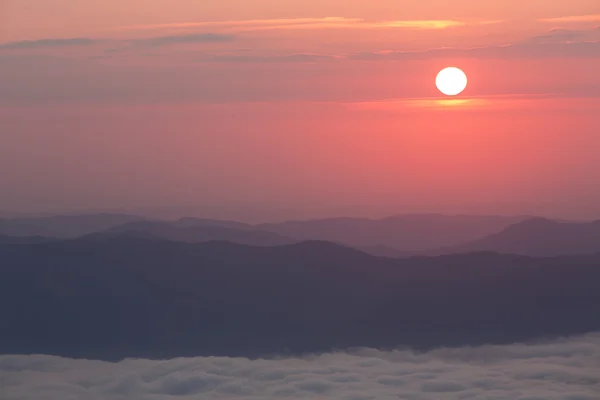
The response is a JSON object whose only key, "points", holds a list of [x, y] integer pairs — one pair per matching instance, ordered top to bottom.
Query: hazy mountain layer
{"points": [[63, 226], [194, 232], [404, 233], [539, 237]]}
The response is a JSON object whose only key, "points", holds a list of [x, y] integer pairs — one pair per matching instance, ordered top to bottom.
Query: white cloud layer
{"points": [[566, 369]]}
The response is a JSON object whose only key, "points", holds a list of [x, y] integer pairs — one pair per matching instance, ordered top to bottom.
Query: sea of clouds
{"points": [[566, 369]]}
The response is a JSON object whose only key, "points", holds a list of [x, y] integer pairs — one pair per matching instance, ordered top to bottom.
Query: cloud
{"points": [[574, 18], [491, 22], [245, 23], [307, 23], [362, 24], [418, 24], [177, 25], [224, 31], [560, 35], [563, 35], [186, 39], [152, 41], [558, 42], [47, 43], [555, 43], [525, 50], [291, 58], [565, 369]]}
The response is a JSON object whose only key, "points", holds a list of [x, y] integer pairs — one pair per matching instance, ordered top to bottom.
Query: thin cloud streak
{"points": [[574, 18], [256, 22], [491, 22], [308, 23], [418, 24], [428, 24], [559, 35], [564, 35], [186, 39], [47, 43], [556, 43], [507, 52], [289, 58], [489, 102]]}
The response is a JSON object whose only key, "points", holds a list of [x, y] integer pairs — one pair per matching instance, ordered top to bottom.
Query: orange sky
{"points": [[131, 103]]}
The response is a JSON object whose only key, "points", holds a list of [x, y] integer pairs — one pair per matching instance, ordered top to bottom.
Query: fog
{"points": [[565, 369]]}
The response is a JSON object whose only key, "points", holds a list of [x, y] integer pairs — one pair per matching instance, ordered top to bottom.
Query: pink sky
{"points": [[300, 104]]}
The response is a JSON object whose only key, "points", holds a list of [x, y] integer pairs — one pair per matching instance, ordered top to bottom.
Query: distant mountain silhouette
{"points": [[189, 222], [63, 226], [194, 230], [197, 231], [407, 233], [391, 237], [538, 237], [24, 239], [388, 251], [115, 296]]}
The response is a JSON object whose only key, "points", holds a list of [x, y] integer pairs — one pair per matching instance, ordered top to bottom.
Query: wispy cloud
{"points": [[573, 18], [491, 22], [248, 23], [307, 23], [362, 24], [417, 24], [427, 24], [563, 35], [186, 39], [47, 43], [555, 43], [525, 50], [291, 58], [495, 102]]}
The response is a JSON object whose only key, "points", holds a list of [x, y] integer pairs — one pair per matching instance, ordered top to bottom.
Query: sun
{"points": [[451, 81]]}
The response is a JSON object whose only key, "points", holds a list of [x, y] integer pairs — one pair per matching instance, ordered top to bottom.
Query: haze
{"points": [[302, 108]]}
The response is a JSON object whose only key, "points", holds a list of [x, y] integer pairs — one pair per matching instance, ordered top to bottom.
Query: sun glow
{"points": [[451, 81]]}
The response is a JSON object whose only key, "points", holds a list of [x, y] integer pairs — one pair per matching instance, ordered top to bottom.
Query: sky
{"points": [[265, 109]]}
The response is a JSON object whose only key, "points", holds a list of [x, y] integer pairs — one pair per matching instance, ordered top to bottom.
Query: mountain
{"points": [[189, 222], [63, 226], [196, 232], [407, 233], [391, 237], [538, 237], [24, 239], [387, 251], [111, 297]]}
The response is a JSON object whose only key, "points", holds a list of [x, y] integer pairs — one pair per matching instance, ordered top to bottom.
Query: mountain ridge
{"points": [[538, 237]]}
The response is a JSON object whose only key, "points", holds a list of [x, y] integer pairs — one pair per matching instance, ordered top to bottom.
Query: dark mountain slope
{"points": [[25, 239], [111, 297]]}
